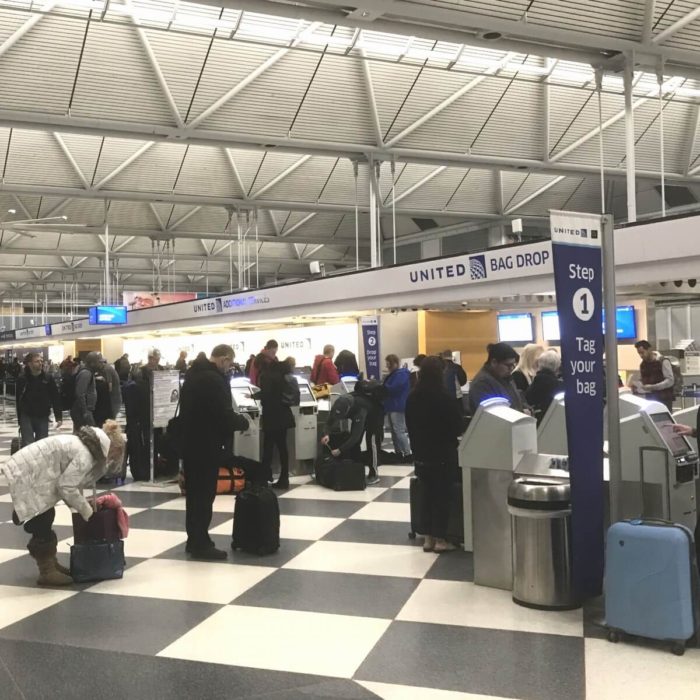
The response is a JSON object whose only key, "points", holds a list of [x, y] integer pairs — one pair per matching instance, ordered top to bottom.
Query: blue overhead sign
{"points": [[107, 315]]}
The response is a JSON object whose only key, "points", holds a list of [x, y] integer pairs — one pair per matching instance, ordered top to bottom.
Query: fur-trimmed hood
{"points": [[97, 442]]}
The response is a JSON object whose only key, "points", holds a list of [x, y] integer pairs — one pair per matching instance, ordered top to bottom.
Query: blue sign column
{"points": [[576, 256], [370, 344]]}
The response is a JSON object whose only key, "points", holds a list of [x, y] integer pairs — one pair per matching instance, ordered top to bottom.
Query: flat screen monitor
{"points": [[107, 315], [625, 322], [550, 325], [515, 328], [305, 395], [242, 398], [676, 443]]}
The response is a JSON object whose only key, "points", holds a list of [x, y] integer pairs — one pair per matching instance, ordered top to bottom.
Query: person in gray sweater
{"points": [[494, 379], [82, 410]]}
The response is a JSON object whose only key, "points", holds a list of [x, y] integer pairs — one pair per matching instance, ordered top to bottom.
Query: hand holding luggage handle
{"points": [[667, 470]]}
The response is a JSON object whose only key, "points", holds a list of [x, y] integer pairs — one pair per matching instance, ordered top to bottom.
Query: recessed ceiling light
{"points": [[11, 211]]}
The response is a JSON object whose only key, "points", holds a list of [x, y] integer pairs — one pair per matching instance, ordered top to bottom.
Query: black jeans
{"points": [[33, 428], [272, 439], [436, 479], [200, 484], [40, 526]]}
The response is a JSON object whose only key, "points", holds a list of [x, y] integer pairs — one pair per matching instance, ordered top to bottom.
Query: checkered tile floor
{"points": [[348, 608]]}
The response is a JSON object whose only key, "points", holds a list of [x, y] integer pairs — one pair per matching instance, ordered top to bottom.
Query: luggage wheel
{"points": [[411, 535], [614, 636], [678, 648]]}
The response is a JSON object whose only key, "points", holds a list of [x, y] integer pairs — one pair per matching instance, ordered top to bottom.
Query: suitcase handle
{"points": [[667, 471]]}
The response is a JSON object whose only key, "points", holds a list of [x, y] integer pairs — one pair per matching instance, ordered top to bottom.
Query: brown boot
{"points": [[44, 553]]}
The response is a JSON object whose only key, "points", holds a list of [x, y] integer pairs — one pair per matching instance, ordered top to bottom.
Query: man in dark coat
{"points": [[37, 396], [208, 423]]}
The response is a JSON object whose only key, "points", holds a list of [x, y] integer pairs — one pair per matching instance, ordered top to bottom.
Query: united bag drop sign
{"points": [[576, 256]]}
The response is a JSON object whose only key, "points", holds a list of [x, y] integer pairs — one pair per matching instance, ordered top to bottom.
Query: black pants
{"points": [[33, 428], [278, 439], [436, 479], [200, 483], [40, 526]]}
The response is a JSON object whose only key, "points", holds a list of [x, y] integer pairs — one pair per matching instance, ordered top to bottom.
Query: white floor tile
{"points": [[394, 470], [301, 479], [403, 484], [148, 486], [315, 492], [5, 498], [222, 504], [394, 512], [300, 527], [225, 528], [141, 543], [8, 554], [362, 558], [186, 580], [19, 602], [469, 605], [302, 642], [629, 670], [388, 691]]}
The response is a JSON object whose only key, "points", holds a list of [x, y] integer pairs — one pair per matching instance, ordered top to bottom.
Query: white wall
{"points": [[398, 334], [112, 347]]}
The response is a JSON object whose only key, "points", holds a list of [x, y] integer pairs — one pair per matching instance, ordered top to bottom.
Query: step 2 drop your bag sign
{"points": [[576, 256], [370, 343]]}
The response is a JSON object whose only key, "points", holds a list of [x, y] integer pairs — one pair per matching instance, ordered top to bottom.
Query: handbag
{"points": [[321, 391], [102, 527], [97, 561]]}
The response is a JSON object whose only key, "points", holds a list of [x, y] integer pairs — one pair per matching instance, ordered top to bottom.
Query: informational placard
{"points": [[577, 260], [370, 344], [166, 394]]}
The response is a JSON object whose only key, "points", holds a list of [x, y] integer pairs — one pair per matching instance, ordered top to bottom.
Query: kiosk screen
{"points": [[305, 394], [243, 399], [676, 443]]}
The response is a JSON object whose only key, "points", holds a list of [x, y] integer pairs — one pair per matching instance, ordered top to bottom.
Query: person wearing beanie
{"points": [[495, 378], [57, 469]]}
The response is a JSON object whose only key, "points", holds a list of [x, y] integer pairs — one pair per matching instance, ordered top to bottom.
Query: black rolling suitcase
{"points": [[340, 474], [256, 521], [455, 524]]}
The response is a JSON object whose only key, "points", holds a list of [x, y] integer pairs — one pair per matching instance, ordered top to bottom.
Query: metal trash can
{"points": [[540, 511]]}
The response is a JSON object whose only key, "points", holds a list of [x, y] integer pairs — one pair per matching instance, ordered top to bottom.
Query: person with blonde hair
{"points": [[525, 372], [546, 383], [55, 469]]}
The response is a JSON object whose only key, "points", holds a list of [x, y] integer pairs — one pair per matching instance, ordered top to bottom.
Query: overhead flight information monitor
{"points": [[107, 315], [515, 328]]}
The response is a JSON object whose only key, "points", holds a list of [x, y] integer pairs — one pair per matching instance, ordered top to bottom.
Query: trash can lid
{"points": [[540, 493]]}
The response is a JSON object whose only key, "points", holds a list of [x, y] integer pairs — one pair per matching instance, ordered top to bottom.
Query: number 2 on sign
{"points": [[584, 304]]}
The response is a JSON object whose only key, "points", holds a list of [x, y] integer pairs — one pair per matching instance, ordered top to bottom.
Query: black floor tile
{"points": [[387, 481], [395, 496], [144, 499], [323, 509], [169, 520], [372, 532], [14, 537], [287, 551], [452, 566], [339, 594], [111, 623], [480, 661], [42, 671]]}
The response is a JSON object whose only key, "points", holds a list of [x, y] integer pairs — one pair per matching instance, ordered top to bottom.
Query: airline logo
{"points": [[477, 267]]}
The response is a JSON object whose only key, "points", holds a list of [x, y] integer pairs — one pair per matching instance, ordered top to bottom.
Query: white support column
{"points": [[649, 12], [676, 26], [26, 27], [371, 100], [630, 137], [134, 156], [71, 160], [234, 169], [419, 184], [535, 194], [184, 218], [298, 224], [373, 227]]}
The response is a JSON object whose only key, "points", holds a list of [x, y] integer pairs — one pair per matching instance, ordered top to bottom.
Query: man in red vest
{"points": [[656, 374]]}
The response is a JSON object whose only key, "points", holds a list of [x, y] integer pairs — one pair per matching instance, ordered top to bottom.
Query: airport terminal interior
{"points": [[392, 178]]}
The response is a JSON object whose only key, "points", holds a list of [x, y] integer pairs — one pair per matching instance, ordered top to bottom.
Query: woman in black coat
{"points": [[546, 383], [279, 391], [434, 425]]}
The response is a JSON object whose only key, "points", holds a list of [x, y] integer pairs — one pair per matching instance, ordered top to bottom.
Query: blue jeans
{"points": [[33, 428], [399, 432]]}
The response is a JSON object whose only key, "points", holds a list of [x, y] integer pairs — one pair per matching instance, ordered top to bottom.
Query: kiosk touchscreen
{"points": [[304, 438], [246, 444], [495, 444], [659, 465]]}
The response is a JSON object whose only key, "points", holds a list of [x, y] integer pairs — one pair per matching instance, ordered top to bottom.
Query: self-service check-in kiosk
{"points": [[303, 440], [247, 443], [493, 447], [659, 466]]}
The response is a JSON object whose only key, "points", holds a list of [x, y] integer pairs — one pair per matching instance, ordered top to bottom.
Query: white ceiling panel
{"points": [[85, 150], [112, 154], [155, 171], [207, 171], [306, 183], [340, 188], [477, 192], [435, 193], [555, 197], [90, 212]]}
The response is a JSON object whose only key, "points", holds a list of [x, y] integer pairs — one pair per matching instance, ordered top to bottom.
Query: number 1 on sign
{"points": [[584, 304]]}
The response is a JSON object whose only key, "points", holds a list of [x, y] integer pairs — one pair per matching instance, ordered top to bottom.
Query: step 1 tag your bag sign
{"points": [[577, 261]]}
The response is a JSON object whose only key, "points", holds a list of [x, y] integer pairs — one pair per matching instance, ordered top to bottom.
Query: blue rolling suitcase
{"points": [[651, 582]]}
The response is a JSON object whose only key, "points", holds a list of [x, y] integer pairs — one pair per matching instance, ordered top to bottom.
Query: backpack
{"points": [[677, 376]]}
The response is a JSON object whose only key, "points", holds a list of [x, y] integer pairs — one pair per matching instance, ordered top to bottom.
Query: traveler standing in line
{"points": [[263, 359], [417, 361], [181, 364], [346, 364], [249, 365], [527, 366], [123, 367], [324, 371], [656, 375], [455, 378], [494, 378], [545, 384], [397, 385], [115, 389], [279, 391], [37, 396], [103, 405], [83, 408], [208, 423], [434, 426], [58, 469]]}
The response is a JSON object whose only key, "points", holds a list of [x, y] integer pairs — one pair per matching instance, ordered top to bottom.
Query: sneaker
{"points": [[373, 479], [282, 485], [428, 543], [443, 546], [208, 554]]}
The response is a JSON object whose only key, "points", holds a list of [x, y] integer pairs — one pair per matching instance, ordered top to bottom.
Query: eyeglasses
{"points": [[510, 365]]}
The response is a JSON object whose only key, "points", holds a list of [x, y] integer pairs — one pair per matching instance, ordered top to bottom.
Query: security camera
{"points": [[678, 283], [692, 283], [464, 303]]}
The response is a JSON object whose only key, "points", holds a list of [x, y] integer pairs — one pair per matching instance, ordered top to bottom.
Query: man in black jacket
{"points": [[37, 395], [208, 423]]}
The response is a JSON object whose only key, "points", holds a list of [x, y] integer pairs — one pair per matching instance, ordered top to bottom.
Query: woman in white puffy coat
{"points": [[57, 469]]}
